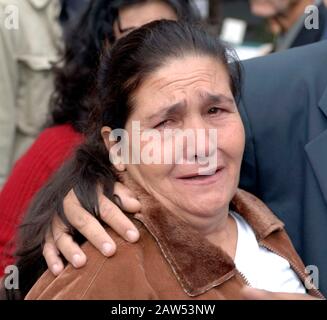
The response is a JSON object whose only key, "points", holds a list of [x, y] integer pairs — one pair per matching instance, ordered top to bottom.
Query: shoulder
{"points": [[296, 58], [287, 76], [282, 87], [60, 133], [57, 138], [52, 147], [41, 160], [94, 280]]}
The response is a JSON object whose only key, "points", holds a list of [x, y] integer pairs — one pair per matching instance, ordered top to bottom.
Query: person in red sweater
{"points": [[71, 102], [53, 146]]}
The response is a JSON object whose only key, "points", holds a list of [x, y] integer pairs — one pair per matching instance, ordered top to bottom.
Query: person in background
{"points": [[286, 20], [28, 53], [26, 77], [74, 81]]}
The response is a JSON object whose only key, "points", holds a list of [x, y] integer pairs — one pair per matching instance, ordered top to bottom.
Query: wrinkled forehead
{"points": [[187, 74], [183, 80]]}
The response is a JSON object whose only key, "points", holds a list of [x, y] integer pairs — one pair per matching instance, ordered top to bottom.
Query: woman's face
{"points": [[134, 16], [191, 96]]}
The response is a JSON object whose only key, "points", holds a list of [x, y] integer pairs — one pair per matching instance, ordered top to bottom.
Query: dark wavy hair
{"points": [[123, 68], [74, 80]]}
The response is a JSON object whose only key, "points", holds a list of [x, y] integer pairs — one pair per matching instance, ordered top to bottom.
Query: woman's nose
{"points": [[203, 142]]}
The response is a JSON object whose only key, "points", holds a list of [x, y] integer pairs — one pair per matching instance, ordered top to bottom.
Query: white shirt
{"points": [[261, 267]]}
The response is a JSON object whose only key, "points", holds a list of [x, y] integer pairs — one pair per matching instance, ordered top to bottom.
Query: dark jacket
{"points": [[284, 109], [170, 261]]}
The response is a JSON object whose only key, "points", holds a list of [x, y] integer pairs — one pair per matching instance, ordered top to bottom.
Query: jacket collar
{"points": [[197, 264]]}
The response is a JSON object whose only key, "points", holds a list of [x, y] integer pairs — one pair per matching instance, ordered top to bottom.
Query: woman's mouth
{"points": [[201, 179]]}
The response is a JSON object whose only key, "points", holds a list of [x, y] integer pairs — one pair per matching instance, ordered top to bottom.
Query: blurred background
{"points": [[234, 22]]}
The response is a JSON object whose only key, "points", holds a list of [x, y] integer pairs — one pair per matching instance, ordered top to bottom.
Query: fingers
{"points": [[126, 200], [110, 213], [116, 219], [88, 225], [91, 228], [65, 244], [51, 255]]}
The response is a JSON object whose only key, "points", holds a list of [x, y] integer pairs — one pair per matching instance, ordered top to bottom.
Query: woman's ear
{"points": [[110, 141]]}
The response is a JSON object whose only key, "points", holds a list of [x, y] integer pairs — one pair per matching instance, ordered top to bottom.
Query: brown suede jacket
{"points": [[170, 261]]}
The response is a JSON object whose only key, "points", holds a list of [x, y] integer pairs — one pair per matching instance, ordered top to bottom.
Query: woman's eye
{"points": [[214, 110], [162, 124]]}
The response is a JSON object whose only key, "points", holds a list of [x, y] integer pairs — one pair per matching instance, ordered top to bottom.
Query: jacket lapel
{"points": [[317, 151], [197, 264]]}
